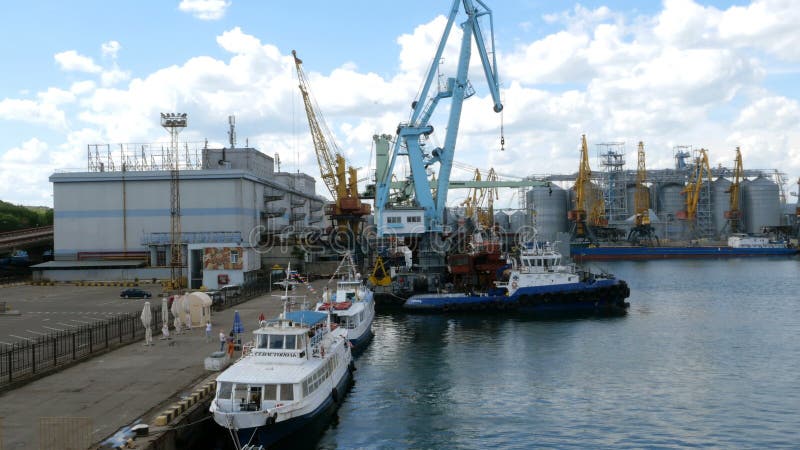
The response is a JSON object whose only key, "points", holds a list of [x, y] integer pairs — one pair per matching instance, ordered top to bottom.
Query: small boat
{"points": [[536, 282], [351, 306], [296, 370]]}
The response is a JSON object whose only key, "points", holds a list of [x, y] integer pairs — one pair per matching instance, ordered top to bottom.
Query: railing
{"points": [[248, 291], [47, 353]]}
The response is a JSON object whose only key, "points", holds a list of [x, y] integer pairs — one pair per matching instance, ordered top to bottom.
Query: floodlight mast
{"points": [[174, 123]]}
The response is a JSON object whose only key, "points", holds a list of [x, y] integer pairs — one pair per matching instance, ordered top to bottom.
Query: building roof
{"points": [[88, 264]]}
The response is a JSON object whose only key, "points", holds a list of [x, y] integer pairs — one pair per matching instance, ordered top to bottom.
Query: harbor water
{"points": [[708, 356]]}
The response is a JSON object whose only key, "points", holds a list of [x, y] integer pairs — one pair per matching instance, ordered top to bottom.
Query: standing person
{"points": [[208, 331], [222, 340], [230, 348]]}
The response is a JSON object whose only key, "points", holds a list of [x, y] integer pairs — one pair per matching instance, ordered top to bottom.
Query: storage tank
{"points": [[670, 202], [720, 202], [761, 204], [549, 206], [518, 220], [501, 221]]}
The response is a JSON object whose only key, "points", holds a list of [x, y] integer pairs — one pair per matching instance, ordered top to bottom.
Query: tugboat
{"points": [[537, 282], [352, 306], [297, 369]]}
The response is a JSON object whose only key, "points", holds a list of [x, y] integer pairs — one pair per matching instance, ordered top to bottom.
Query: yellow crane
{"points": [[694, 186], [584, 194], [479, 203], [347, 210], [734, 214], [642, 230]]}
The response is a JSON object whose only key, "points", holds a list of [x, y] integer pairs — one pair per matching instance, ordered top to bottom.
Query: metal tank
{"points": [[670, 202], [720, 202], [761, 204], [549, 206], [518, 220], [501, 221]]}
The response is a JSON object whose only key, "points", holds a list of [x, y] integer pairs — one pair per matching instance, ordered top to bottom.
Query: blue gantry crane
{"points": [[431, 196]]}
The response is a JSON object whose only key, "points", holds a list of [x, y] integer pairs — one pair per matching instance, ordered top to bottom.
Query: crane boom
{"points": [[326, 158], [693, 188], [429, 196], [642, 199], [347, 210], [734, 214]]}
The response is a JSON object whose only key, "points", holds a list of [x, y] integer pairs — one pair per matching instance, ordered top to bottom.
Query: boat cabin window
{"points": [[262, 340], [275, 341], [291, 341], [225, 390], [270, 392], [287, 392], [240, 393]]}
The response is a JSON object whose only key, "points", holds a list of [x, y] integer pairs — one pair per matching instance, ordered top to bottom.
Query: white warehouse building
{"points": [[113, 221]]}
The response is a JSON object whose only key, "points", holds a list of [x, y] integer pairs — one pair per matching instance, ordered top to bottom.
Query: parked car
{"points": [[231, 290], [135, 293]]}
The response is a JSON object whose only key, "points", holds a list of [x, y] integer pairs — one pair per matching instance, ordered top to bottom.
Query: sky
{"points": [[715, 75]]}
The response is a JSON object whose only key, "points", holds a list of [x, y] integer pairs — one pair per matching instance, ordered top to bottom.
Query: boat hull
{"points": [[640, 253], [605, 296], [361, 342], [268, 435]]}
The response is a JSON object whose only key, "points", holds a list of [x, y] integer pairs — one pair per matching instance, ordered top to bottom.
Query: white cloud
{"points": [[205, 9], [110, 49], [71, 60], [113, 76], [678, 76], [32, 112], [22, 184]]}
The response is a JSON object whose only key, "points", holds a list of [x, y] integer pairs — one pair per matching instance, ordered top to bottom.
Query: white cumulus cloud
{"points": [[205, 9], [71, 60]]}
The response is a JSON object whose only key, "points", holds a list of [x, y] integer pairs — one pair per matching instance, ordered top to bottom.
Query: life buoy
{"points": [[514, 285], [342, 305]]}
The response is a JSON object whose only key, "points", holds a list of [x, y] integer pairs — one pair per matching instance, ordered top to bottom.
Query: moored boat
{"points": [[737, 246], [536, 282], [351, 305], [297, 369]]}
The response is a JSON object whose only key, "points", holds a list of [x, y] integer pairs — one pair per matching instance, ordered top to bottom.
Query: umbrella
{"points": [[177, 303], [165, 318], [147, 320], [238, 326]]}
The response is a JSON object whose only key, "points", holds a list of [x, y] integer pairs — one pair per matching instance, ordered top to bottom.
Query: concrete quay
{"points": [[115, 389]]}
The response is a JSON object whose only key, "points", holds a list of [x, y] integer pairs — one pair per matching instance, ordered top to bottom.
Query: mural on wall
{"points": [[222, 258]]}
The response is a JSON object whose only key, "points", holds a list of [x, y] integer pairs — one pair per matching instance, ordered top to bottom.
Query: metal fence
{"points": [[247, 292], [47, 353], [65, 433]]}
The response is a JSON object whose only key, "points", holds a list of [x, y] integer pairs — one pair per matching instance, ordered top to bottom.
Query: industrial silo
{"points": [[720, 202], [670, 203], [761, 204], [548, 205], [518, 220], [501, 221]]}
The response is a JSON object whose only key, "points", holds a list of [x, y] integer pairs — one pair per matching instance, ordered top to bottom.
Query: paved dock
{"points": [[117, 388]]}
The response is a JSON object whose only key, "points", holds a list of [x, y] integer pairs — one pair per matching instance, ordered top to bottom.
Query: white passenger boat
{"points": [[352, 306], [296, 370]]}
